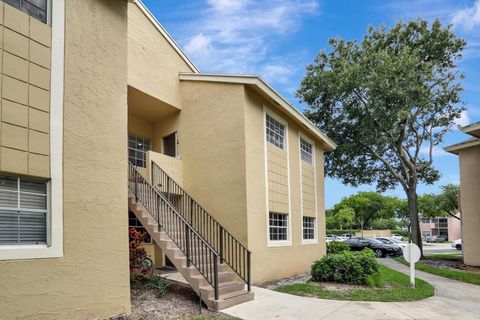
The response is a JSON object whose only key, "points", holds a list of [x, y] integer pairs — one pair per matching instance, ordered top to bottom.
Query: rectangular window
{"points": [[38, 9], [275, 132], [170, 145], [137, 148], [306, 151], [23, 211], [133, 222], [278, 226], [308, 228]]}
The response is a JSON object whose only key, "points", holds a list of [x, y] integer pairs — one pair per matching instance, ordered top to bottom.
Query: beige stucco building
{"points": [[469, 155], [224, 174]]}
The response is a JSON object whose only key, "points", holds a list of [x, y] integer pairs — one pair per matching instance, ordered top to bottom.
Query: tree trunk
{"points": [[415, 233]]}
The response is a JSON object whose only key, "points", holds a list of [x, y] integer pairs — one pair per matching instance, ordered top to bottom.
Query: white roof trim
{"points": [[164, 32], [265, 87], [472, 127], [462, 145]]}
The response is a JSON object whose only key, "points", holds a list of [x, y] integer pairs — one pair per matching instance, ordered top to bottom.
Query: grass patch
{"points": [[444, 256], [459, 275], [394, 287]]}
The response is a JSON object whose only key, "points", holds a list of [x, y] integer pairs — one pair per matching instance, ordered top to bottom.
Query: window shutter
{"points": [[8, 227]]}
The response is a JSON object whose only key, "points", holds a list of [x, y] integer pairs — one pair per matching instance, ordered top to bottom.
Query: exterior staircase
{"points": [[212, 261]]}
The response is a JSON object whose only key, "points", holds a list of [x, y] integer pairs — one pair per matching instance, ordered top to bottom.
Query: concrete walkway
{"points": [[452, 300]]}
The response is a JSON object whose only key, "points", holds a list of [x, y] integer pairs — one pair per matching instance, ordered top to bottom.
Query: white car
{"points": [[397, 237], [399, 243], [457, 244]]}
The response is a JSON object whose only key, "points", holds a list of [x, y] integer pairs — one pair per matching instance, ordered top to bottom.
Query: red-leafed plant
{"points": [[137, 252]]}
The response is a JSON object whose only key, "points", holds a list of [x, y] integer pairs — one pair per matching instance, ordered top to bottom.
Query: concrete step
{"points": [[232, 299]]}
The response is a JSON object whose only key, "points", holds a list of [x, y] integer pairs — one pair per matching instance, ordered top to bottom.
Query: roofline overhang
{"points": [[166, 35], [257, 81], [471, 128], [460, 146]]}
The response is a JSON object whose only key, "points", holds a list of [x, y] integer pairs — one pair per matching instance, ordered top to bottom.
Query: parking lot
{"points": [[439, 248]]}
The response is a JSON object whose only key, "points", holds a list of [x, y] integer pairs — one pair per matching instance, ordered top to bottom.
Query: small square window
{"points": [[275, 132], [137, 149], [306, 151], [278, 223], [308, 228]]}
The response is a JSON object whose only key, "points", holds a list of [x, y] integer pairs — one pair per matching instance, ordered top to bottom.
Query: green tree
{"points": [[384, 102], [449, 199], [345, 216]]}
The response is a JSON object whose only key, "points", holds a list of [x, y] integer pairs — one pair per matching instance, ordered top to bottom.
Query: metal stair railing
{"points": [[230, 250], [197, 251]]}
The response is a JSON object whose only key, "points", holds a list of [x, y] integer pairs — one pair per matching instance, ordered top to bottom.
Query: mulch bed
{"points": [[450, 264], [180, 303]]}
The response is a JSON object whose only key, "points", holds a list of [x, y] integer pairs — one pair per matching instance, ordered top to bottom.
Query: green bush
{"points": [[338, 232], [337, 247], [350, 267]]}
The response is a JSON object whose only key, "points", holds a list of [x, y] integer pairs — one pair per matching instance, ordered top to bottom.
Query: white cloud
{"points": [[467, 18], [239, 36], [463, 120], [436, 151]]}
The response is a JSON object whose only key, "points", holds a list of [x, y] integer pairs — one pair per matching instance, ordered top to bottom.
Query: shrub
{"points": [[337, 247], [137, 251], [349, 267], [159, 284]]}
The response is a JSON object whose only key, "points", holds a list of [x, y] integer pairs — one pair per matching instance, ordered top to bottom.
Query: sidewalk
{"points": [[452, 300]]}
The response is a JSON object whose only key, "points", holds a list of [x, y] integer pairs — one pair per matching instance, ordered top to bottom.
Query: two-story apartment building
{"points": [[106, 122], [468, 152]]}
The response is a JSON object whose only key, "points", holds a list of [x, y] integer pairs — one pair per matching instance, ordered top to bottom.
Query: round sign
{"points": [[411, 253]]}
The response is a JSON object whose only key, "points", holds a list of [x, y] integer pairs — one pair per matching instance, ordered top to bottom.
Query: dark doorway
{"points": [[170, 145]]}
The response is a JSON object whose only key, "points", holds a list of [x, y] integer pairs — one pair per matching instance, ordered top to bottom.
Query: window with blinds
{"points": [[23, 211]]}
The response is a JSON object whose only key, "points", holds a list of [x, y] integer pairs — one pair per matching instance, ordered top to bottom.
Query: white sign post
{"points": [[411, 253]]}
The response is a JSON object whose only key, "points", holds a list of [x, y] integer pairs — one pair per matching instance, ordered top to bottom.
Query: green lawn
{"points": [[465, 276], [395, 288]]}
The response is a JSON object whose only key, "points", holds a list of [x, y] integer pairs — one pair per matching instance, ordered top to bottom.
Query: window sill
{"points": [[309, 241], [281, 243], [23, 252]]}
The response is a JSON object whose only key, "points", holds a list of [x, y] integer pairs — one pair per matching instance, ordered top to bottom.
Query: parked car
{"points": [[347, 235], [332, 237], [397, 237], [436, 239], [392, 241], [457, 244], [381, 249]]}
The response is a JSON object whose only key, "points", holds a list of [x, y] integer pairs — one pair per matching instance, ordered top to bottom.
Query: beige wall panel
{"points": [[16, 20], [40, 32], [15, 43], [40, 54], [153, 64], [15, 67], [39, 76], [14, 90], [38, 98], [14, 113], [38, 120], [14, 137], [38, 142], [213, 150], [13, 161], [38, 165], [172, 166], [470, 204], [288, 260], [89, 282]]}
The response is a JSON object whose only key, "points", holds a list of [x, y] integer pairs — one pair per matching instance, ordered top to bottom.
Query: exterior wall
{"points": [[25, 57], [153, 64], [139, 127], [164, 127], [213, 150], [172, 166], [277, 175], [308, 190], [470, 204], [454, 228], [374, 233], [289, 259], [91, 280]]}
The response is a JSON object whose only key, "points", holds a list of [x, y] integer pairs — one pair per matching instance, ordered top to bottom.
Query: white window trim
{"points": [[314, 165], [55, 216], [277, 243]]}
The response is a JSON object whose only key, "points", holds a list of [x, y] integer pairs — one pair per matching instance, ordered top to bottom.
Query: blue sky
{"points": [[278, 38]]}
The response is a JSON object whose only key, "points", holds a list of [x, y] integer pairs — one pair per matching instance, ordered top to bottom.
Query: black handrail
{"points": [[230, 250], [197, 251]]}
